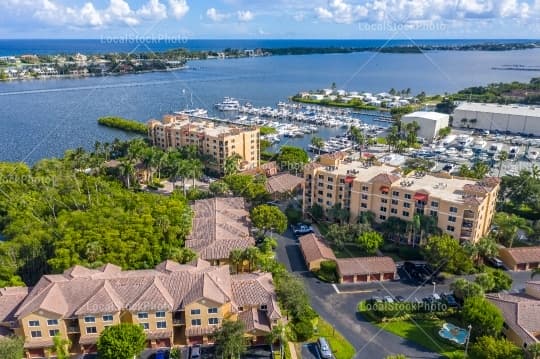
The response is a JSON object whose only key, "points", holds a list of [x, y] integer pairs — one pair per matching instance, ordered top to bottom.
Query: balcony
{"points": [[468, 214], [179, 321], [73, 329]]}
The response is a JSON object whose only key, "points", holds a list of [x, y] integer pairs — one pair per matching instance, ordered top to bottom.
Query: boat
{"points": [[228, 104], [196, 112], [448, 140], [479, 145], [494, 149], [452, 152], [513, 152], [466, 153], [532, 155]]}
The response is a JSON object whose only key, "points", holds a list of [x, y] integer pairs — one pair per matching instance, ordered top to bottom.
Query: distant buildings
{"points": [[382, 99], [494, 117], [430, 123], [217, 141], [463, 208], [174, 304]]}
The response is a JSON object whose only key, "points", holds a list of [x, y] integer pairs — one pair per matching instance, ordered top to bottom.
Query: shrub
{"points": [[303, 330]]}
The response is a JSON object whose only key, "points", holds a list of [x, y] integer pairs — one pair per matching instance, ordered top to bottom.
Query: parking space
{"points": [[310, 351]]}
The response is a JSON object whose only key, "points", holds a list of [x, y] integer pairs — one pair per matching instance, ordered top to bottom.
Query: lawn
{"points": [[350, 251], [423, 332], [341, 348]]}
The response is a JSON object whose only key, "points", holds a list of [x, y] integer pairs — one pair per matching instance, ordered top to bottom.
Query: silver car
{"points": [[324, 348]]}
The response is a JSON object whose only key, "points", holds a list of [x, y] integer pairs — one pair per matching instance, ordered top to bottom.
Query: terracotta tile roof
{"points": [[334, 156], [311, 166], [385, 178], [490, 182], [283, 183], [476, 188], [219, 226], [314, 248], [524, 254], [365, 265], [254, 290], [10, 299], [521, 313], [255, 319], [200, 331], [158, 334], [88, 339], [39, 343]]}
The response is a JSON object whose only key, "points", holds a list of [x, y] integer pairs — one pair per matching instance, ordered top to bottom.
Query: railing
{"points": [[177, 321], [73, 329]]}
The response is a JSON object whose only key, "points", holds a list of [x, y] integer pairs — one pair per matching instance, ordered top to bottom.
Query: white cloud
{"points": [[179, 8], [153, 10], [341, 12], [215, 15], [245, 16], [299, 16]]}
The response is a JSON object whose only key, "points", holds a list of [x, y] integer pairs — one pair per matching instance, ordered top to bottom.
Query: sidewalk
{"points": [[292, 350]]}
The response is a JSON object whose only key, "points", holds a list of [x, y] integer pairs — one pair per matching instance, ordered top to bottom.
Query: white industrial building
{"points": [[487, 116], [430, 123]]}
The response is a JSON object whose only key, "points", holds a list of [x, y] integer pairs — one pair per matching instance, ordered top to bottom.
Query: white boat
{"points": [[228, 104], [196, 112], [448, 140], [464, 140], [479, 145], [494, 149], [452, 152], [513, 152], [466, 153], [532, 155]]}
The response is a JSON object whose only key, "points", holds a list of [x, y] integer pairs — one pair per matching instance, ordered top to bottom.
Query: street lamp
{"points": [[434, 285], [468, 339]]}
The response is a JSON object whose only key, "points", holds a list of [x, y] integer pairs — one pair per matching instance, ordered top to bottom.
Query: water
{"points": [[105, 45], [43, 118]]}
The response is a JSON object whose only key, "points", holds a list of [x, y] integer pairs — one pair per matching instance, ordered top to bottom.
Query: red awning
{"points": [[349, 179], [385, 188], [420, 196]]}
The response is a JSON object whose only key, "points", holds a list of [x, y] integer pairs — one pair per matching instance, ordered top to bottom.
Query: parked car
{"points": [[301, 229], [496, 262], [435, 296], [399, 298], [376, 299], [388, 299], [450, 300], [324, 348], [195, 352], [162, 354]]}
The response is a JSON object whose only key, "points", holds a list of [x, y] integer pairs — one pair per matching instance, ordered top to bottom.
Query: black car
{"points": [[399, 299], [450, 300]]}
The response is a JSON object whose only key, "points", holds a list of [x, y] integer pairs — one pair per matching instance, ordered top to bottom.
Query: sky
{"points": [[272, 19]]}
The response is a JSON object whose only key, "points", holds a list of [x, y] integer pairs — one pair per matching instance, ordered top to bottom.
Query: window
{"points": [[321, 177], [330, 179], [329, 186], [365, 188], [320, 192], [395, 194], [329, 195], [364, 196], [407, 196], [384, 200], [394, 201], [328, 203], [434, 204], [363, 205], [406, 205], [383, 209], [453, 209], [393, 210], [433, 213], [405, 214], [382, 217], [451, 219], [450, 228], [264, 307], [240, 309], [212, 310], [160, 314], [142, 315], [107, 317], [89, 319], [213, 321], [52, 322], [195, 322], [33, 323], [161, 325], [145, 326], [91, 330], [54, 332], [35, 333]]}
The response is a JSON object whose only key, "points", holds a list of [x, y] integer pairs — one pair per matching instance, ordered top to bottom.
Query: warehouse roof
{"points": [[518, 110], [428, 115]]}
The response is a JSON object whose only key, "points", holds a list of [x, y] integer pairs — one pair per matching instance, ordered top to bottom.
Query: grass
{"points": [[350, 251], [423, 332], [341, 347]]}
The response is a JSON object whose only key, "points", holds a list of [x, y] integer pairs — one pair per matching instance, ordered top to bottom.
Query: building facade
{"points": [[495, 117], [430, 123], [217, 141], [463, 208], [174, 304]]}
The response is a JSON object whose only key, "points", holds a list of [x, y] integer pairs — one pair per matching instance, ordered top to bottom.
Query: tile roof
{"points": [[385, 178], [283, 183], [219, 226], [314, 248], [524, 254], [365, 265], [254, 290], [10, 299], [255, 319], [200, 331], [39, 343]]}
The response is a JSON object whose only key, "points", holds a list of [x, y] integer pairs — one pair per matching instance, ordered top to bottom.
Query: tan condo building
{"points": [[218, 141], [463, 208], [175, 305]]}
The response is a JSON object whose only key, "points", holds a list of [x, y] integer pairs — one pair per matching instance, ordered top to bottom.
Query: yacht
{"points": [[228, 104], [196, 112], [464, 140], [479, 145], [494, 149], [452, 152], [513, 152], [466, 153], [532, 155]]}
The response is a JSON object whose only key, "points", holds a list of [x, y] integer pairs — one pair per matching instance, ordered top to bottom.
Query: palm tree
{"points": [[359, 137], [392, 138], [318, 143], [503, 156], [149, 160], [231, 164], [194, 169], [127, 171], [535, 172], [337, 212], [509, 225], [487, 247], [251, 254], [236, 257], [534, 350]]}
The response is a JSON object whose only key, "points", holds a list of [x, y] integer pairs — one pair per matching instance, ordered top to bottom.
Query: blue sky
{"points": [[190, 19]]}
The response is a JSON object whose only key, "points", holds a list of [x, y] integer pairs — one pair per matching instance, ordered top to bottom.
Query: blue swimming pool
{"points": [[453, 333]]}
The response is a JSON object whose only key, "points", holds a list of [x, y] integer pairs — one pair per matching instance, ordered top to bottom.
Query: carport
{"points": [[365, 269]]}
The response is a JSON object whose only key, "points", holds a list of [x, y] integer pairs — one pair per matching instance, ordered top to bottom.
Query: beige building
{"points": [[218, 141], [463, 208], [315, 251], [520, 258], [365, 269], [175, 305], [521, 314]]}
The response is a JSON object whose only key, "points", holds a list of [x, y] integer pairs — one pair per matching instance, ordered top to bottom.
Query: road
{"points": [[337, 305]]}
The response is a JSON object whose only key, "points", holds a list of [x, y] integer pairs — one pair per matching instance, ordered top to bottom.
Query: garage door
{"points": [[522, 266], [388, 276], [374, 277], [361, 278], [348, 279], [196, 340]]}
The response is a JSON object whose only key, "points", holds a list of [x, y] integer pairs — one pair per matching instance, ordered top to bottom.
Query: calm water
{"points": [[43, 118]]}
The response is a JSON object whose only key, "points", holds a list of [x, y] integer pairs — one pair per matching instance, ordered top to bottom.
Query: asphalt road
{"points": [[337, 305]]}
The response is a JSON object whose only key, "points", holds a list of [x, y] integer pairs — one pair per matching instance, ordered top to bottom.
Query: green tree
{"points": [[412, 129], [358, 137], [317, 142], [503, 156], [292, 158], [231, 164], [218, 188], [317, 212], [338, 213], [265, 218], [508, 227], [370, 241], [446, 253], [183, 255], [236, 258], [502, 280], [486, 281], [464, 289], [484, 317], [303, 329], [229, 339], [121, 341], [61, 347], [488, 347], [11, 348], [534, 350], [396, 356]]}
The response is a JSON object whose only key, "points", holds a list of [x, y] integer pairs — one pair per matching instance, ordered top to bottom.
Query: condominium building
{"points": [[218, 141], [463, 208], [175, 305]]}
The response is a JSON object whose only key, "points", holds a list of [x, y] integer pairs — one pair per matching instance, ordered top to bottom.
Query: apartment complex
{"points": [[218, 141], [463, 208], [219, 225], [175, 305]]}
